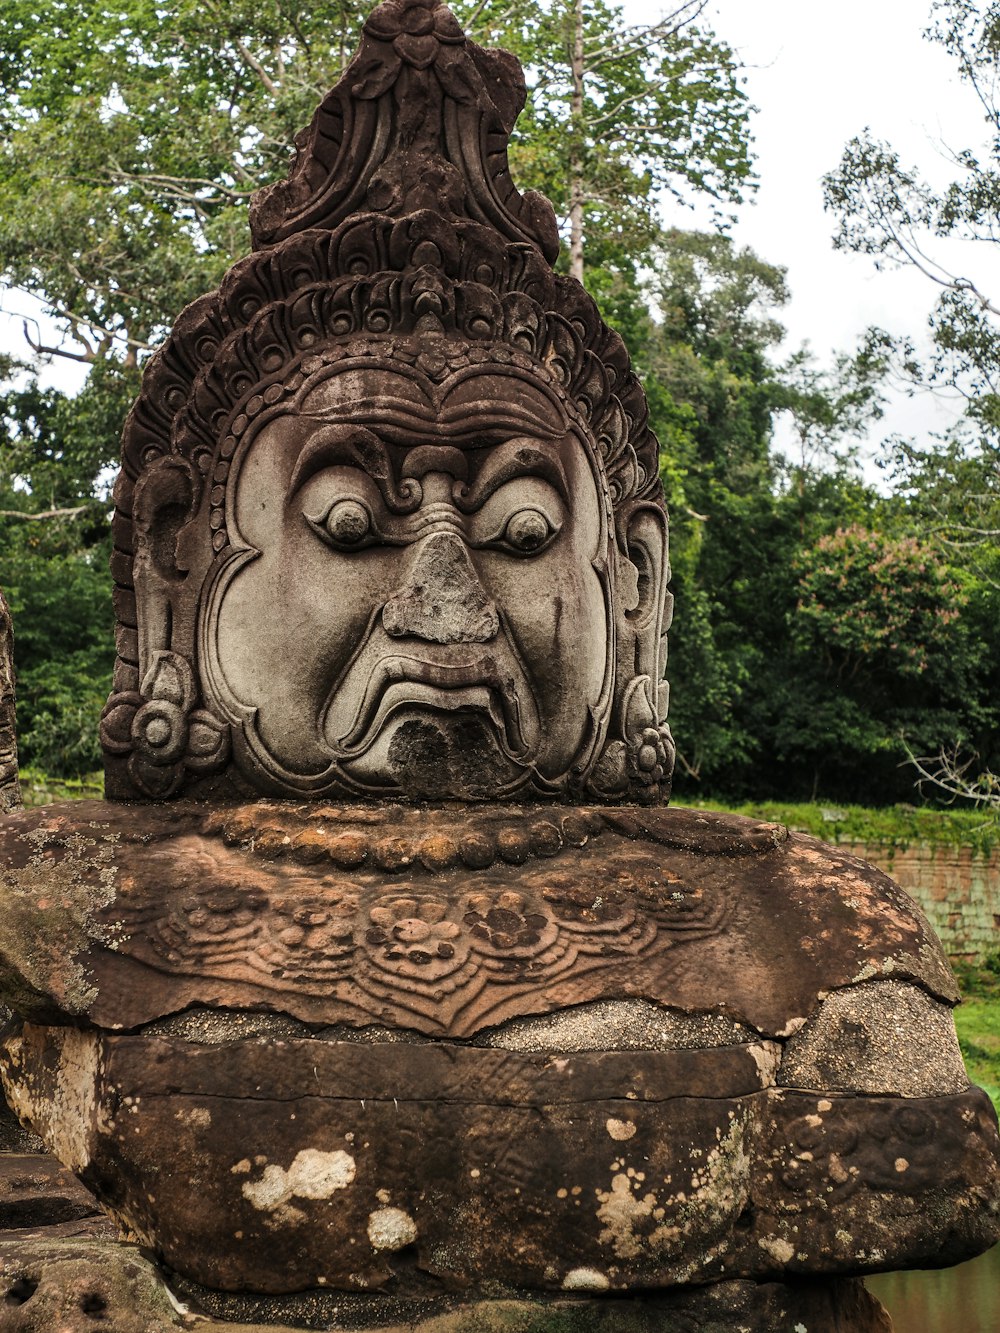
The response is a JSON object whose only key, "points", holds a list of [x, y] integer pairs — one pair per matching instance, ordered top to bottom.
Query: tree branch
{"points": [[257, 68], [40, 349], [74, 512], [949, 774]]}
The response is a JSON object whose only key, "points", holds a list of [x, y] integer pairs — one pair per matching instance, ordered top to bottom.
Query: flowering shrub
{"points": [[868, 601]]}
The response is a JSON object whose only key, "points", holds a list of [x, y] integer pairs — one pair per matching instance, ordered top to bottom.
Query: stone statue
{"points": [[393, 500], [385, 986]]}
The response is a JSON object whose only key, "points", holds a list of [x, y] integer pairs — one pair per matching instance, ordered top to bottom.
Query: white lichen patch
{"points": [[791, 1027], [766, 1055], [65, 1110], [198, 1116], [620, 1130], [312, 1175], [654, 1220], [391, 1229], [781, 1251], [585, 1279]]}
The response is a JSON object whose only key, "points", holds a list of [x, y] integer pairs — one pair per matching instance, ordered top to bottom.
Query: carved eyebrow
{"points": [[346, 446], [352, 446], [517, 458]]}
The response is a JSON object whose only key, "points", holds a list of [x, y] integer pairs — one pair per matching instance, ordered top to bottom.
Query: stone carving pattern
{"points": [[423, 943]]}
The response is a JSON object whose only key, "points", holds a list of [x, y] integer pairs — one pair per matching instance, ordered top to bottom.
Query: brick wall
{"points": [[959, 890]]}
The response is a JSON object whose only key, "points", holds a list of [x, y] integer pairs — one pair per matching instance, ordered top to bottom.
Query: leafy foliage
{"points": [[620, 113], [888, 210], [60, 601], [871, 604], [819, 627]]}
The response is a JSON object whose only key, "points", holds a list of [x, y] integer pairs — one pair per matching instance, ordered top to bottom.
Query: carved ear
{"points": [[166, 498], [646, 543], [638, 757]]}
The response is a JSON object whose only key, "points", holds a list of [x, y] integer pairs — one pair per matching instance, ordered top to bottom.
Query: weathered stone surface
{"points": [[957, 887], [149, 911], [863, 1039], [14, 1138], [424, 1166], [36, 1190], [78, 1286], [837, 1306]]}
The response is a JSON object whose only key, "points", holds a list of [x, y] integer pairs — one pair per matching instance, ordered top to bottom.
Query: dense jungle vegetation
{"points": [[826, 630]]}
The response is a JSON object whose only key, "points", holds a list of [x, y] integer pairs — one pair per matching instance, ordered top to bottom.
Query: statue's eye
{"points": [[346, 525], [526, 532]]}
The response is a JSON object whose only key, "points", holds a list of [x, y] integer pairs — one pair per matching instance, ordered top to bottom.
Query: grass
{"points": [[38, 788], [893, 826], [978, 1021]]}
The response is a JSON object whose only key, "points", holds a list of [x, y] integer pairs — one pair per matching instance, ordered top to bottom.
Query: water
{"points": [[965, 1299]]}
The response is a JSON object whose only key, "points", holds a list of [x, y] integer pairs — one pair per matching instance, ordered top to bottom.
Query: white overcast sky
{"points": [[819, 73]]}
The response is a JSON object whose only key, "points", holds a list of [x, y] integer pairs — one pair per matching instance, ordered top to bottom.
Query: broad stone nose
{"points": [[441, 599]]}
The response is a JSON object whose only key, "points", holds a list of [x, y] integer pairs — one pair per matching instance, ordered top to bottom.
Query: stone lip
{"points": [[123, 915]]}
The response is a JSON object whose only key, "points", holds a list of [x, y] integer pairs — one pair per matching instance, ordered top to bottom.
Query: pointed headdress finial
{"points": [[420, 120]]}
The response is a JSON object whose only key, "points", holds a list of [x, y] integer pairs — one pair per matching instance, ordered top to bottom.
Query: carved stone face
{"points": [[420, 600]]}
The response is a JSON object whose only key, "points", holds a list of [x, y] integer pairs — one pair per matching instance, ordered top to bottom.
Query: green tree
{"points": [[619, 113], [134, 134], [888, 210], [54, 549], [885, 655]]}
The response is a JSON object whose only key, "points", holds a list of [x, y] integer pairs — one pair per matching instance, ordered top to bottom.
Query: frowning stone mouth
{"points": [[399, 682]]}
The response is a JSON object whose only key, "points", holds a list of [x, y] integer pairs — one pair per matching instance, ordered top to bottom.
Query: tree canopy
{"points": [[135, 133], [889, 210], [821, 627]]}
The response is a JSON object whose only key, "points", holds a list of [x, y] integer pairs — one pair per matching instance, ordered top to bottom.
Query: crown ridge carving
{"points": [[422, 115]]}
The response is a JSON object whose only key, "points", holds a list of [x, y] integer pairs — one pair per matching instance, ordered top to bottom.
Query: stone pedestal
{"points": [[562, 1052]]}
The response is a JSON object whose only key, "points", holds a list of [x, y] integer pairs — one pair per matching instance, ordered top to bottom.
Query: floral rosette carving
{"points": [[417, 30], [161, 730], [507, 929], [413, 940], [313, 942]]}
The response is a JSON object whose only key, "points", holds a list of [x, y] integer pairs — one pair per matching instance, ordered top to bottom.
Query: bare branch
{"points": [[639, 37], [257, 68], [183, 186], [41, 349], [74, 512], [956, 777]]}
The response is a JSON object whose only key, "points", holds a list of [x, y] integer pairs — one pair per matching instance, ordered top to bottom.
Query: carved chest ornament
{"points": [[389, 518]]}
